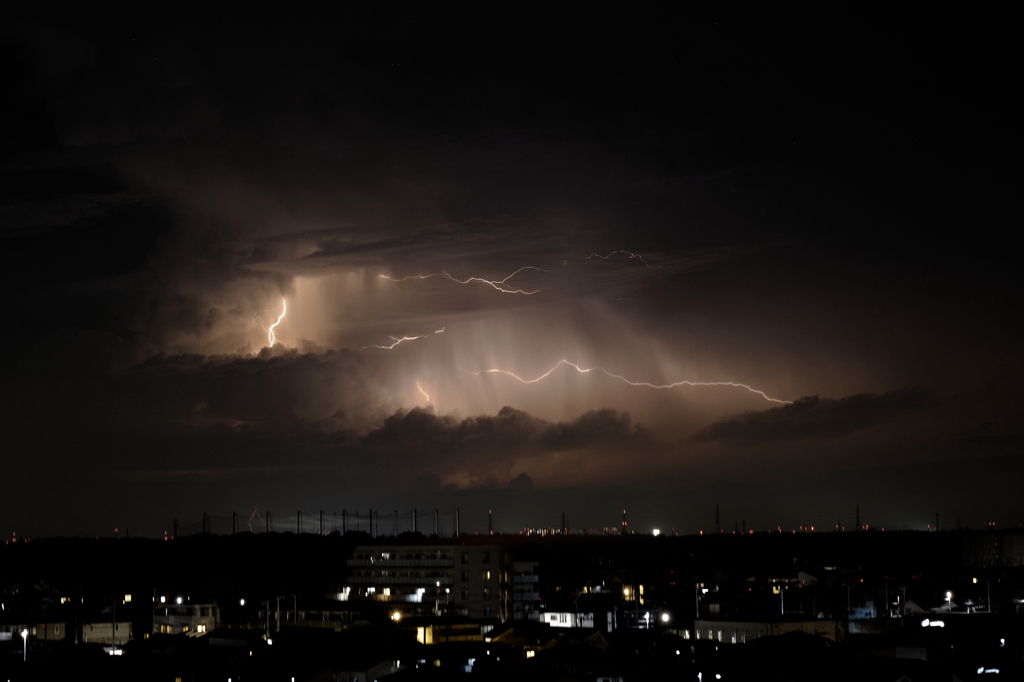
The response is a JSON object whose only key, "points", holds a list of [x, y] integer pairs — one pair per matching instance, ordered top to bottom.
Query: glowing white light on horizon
{"points": [[581, 370]]}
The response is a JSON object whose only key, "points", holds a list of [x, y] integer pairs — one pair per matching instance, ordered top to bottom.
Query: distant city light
{"points": [[657, 532], [179, 600], [241, 602], [664, 618]]}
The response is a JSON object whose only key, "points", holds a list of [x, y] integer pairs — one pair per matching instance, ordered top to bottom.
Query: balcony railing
{"points": [[402, 563]]}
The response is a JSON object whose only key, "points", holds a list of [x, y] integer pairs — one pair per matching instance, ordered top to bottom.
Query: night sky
{"points": [[815, 207]]}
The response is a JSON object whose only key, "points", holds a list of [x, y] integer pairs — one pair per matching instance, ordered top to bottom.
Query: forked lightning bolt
{"points": [[270, 332], [582, 370]]}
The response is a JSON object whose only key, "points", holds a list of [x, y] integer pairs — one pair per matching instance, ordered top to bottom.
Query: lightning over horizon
{"points": [[582, 370]]}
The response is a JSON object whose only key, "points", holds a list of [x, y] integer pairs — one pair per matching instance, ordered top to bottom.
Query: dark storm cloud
{"points": [[275, 392], [814, 417], [421, 433], [521, 482]]}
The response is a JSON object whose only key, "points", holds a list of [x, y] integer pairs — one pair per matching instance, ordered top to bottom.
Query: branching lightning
{"points": [[629, 253], [402, 279], [498, 284], [270, 332], [400, 340], [396, 342], [582, 370], [422, 391]]}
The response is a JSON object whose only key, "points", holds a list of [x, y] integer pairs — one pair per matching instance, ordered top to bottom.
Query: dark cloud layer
{"points": [[814, 417], [419, 433]]}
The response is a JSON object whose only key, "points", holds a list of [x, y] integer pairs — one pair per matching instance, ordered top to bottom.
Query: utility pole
{"points": [[344, 521], [456, 522]]}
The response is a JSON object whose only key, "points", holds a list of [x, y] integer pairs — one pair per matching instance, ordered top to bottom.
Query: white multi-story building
{"points": [[473, 580]]}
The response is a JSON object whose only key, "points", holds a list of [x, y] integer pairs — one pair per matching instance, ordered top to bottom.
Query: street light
{"points": [[949, 601], [664, 618], [24, 637]]}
